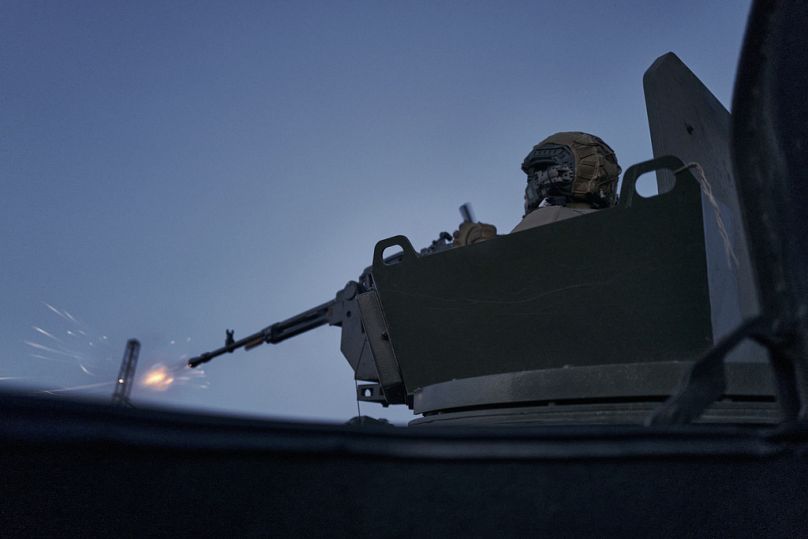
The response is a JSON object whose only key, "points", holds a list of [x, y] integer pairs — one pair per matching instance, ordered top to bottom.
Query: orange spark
{"points": [[158, 378]]}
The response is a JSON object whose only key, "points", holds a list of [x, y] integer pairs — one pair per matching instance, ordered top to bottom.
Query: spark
{"points": [[52, 308], [57, 311], [46, 334], [52, 350], [88, 352], [38, 356], [82, 367], [161, 376], [158, 378], [75, 388]]}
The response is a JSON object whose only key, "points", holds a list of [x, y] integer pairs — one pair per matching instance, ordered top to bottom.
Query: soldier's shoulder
{"points": [[547, 215]]}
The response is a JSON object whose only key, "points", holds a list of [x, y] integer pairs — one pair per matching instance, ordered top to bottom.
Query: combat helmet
{"points": [[576, 166]]}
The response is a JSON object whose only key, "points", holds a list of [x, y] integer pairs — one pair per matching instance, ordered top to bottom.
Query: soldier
{"points": [[568, 174]]}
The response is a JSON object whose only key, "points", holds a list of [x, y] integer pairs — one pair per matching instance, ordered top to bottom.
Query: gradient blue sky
{"points": [[168, 170]]}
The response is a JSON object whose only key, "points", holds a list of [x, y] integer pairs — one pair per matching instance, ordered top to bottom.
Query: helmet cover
{"points": [[571, 166]]}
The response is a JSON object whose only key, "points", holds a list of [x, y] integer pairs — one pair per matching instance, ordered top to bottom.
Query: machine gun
{"points": [[344, 312]]}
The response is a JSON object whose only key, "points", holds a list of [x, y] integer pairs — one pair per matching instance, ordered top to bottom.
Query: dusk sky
{"points": [[172, 169]]}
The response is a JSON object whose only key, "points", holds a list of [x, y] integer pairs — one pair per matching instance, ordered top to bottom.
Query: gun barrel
{"points": [[273, 334], [252, 341]]}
